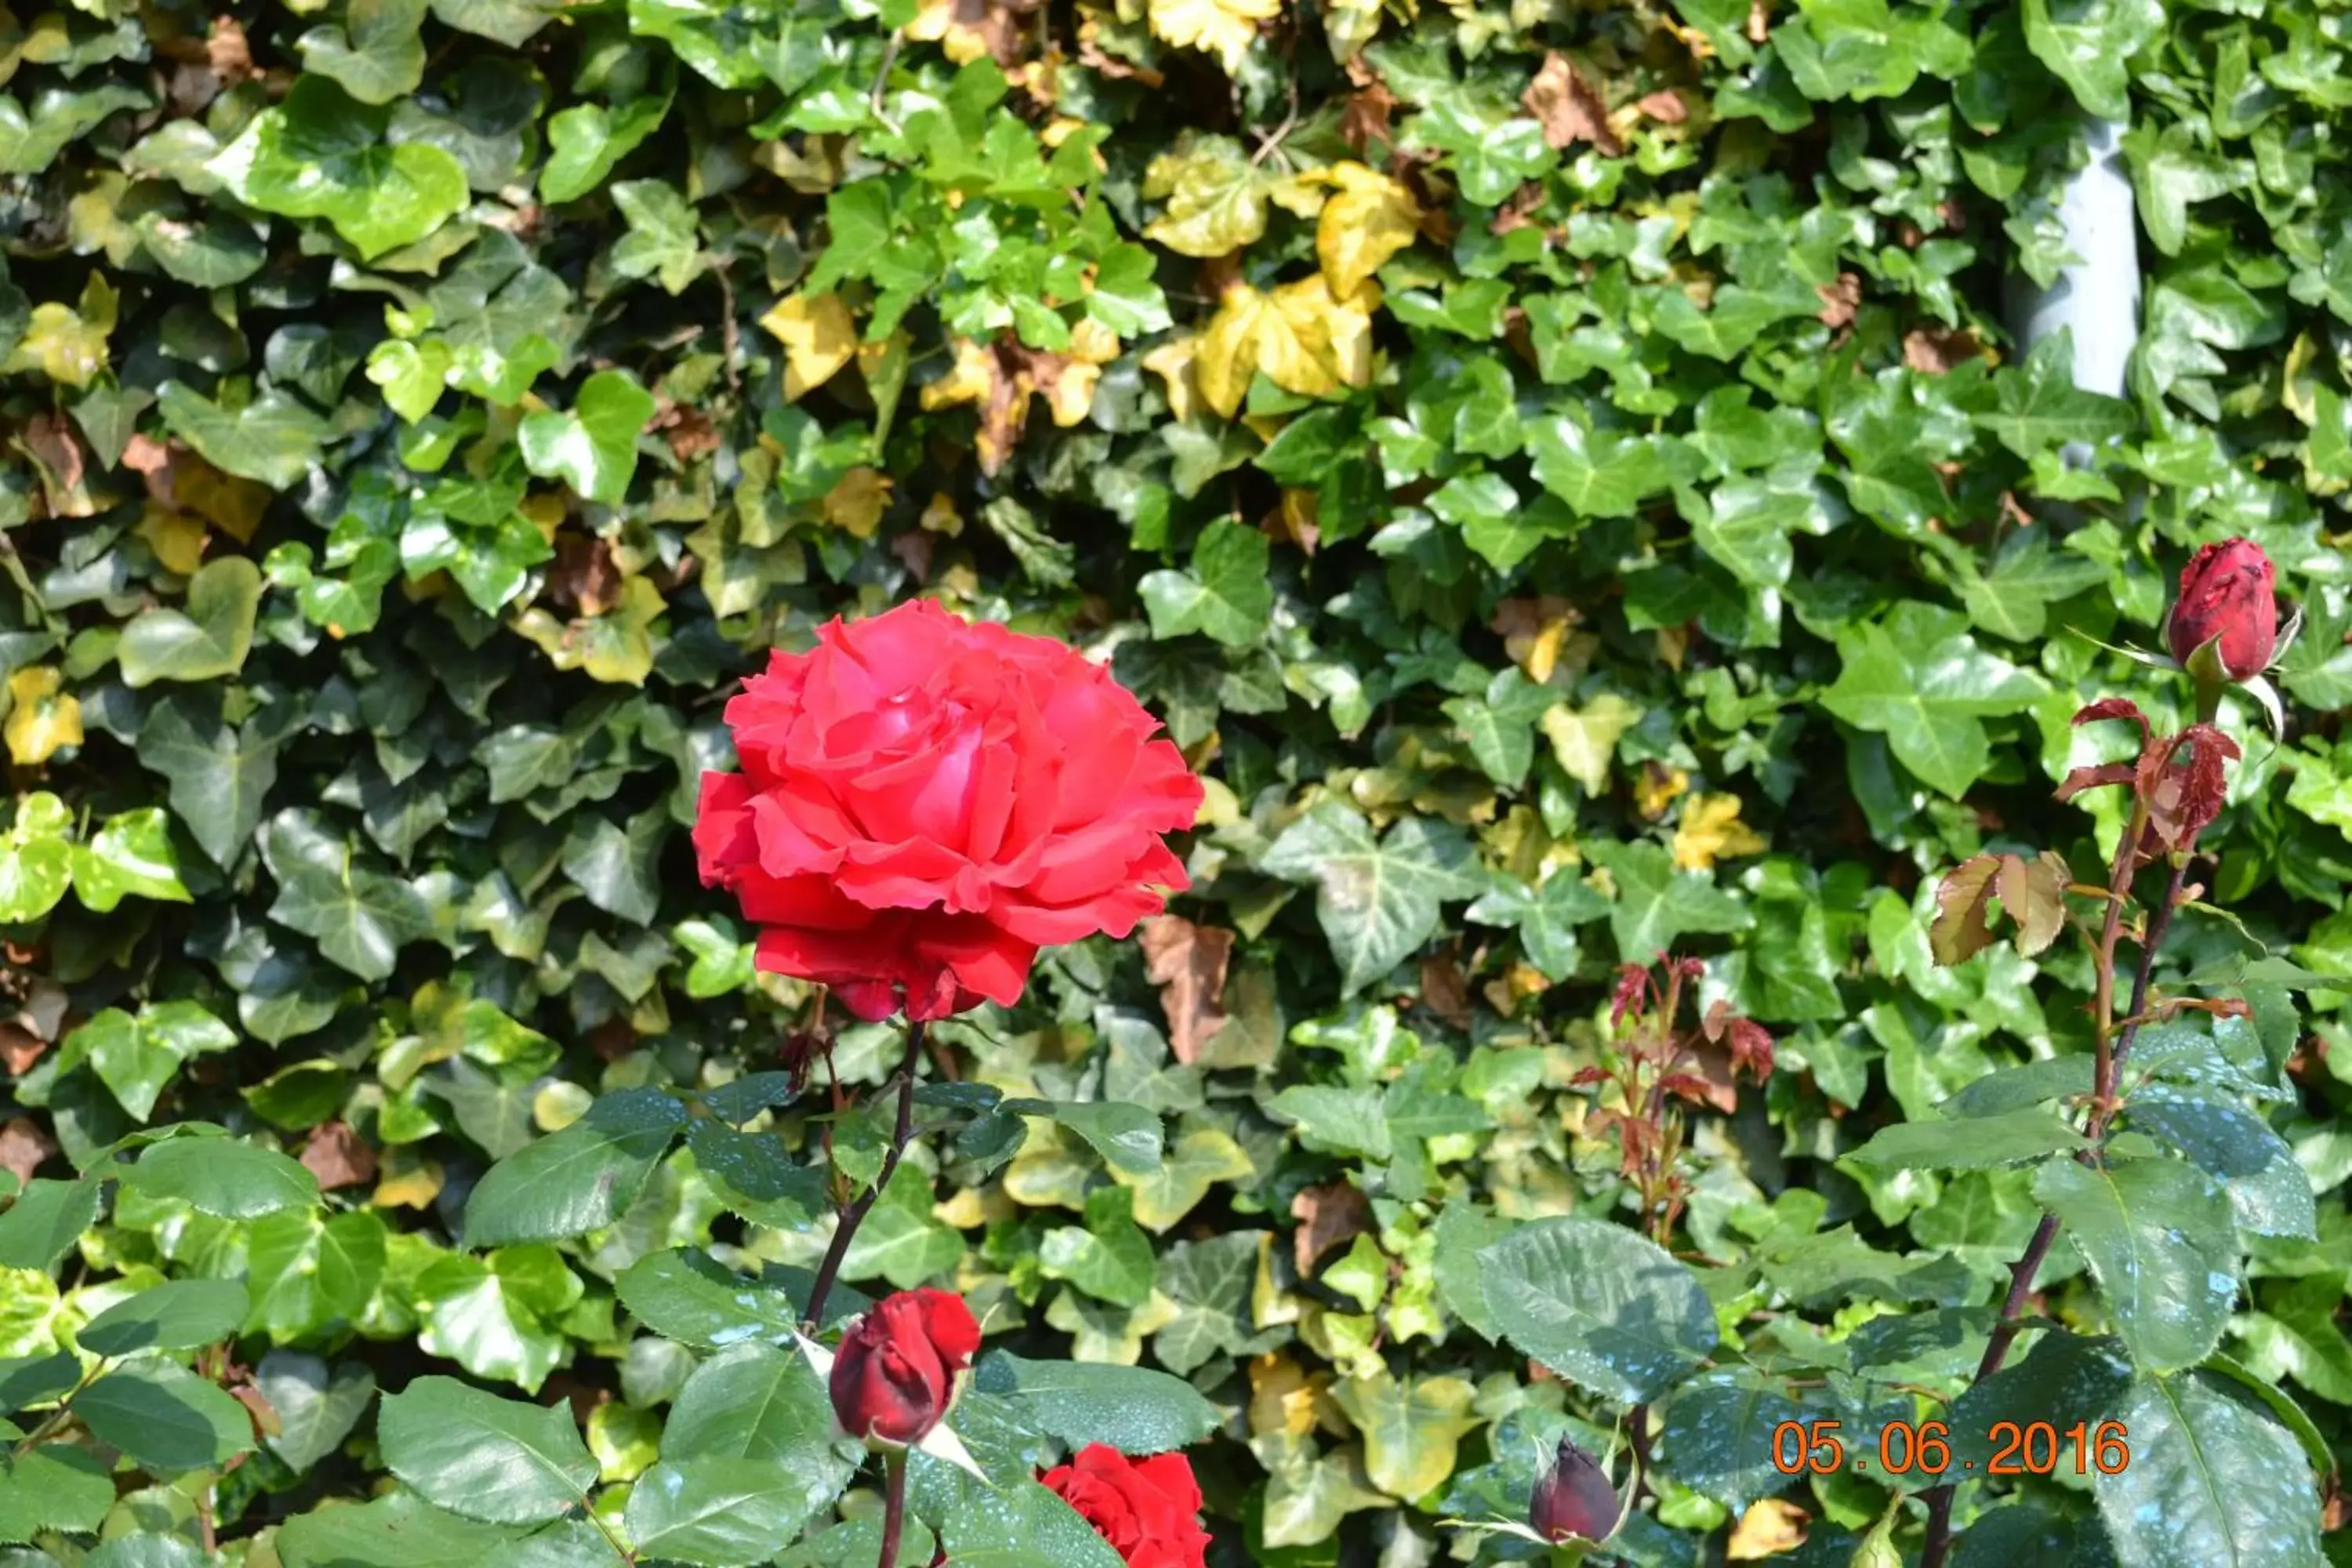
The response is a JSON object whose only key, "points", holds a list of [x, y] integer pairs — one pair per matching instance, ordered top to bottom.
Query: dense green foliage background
{"points": [[1559, 470]]}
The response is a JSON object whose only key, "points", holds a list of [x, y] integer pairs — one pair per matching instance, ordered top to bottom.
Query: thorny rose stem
{"points": [[2110, 1071], [855, 1213]]}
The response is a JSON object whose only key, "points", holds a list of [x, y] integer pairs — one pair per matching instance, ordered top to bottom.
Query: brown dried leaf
{"points": [[226, 51], [1666, 106], [1568, 108], [1364, 117], [1840, 299], [1934, 351], [585, 578], [2034, 894], [1959, 930], [1187, 962], [1446, 990], [24, 1146], [339, 1157], [1328, 1216]]}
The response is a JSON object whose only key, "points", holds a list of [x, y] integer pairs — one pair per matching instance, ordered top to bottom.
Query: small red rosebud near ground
{"points": [[2227, 597], [894, 1376], [1574, 1499], [1149, 1509]]}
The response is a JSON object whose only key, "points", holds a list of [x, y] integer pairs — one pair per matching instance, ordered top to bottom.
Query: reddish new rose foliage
{"points": [[2226, 592], [924, 804], [894, 1375], [1573, 1499], [1149, 1509]]}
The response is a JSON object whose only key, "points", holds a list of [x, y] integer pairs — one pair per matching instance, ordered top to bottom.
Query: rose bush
{"points": [[924, 803]]}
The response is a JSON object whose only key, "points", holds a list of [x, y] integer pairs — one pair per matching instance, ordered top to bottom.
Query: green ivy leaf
{"points": [[378, 54], [593, 447], [1226, 595], [209, 638], [1922, 682], [132, 853], [1377, 898], [360, 917]]}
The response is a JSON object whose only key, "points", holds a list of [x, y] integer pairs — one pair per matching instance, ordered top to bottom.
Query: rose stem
{"points": [[853, 1214], [2020, 1279], [894, 1506]]}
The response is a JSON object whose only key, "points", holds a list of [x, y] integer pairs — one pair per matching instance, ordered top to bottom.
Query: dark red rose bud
{"points": [[2226, 592], [895, 1374], [1574, 1498]]}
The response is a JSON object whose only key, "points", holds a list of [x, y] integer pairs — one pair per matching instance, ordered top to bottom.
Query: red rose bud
{"points": [[2226, 593], [894, 1376], [1574, 1499], [1149, 1509]]}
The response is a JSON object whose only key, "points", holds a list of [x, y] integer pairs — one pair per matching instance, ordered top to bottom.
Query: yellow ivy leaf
{"points": [[939, 23], [1349, 25], [1226, 28], [1216, 200], [1369, 219], [94, 220], [818, 336], [1298, 337], [61, 344], [1172, 361], [969, 380], [1070, 396], [231, 504], [855, 504], [545, 512], [940, 516], [177, 538], [616, 646], [42, 717], [1585, 740], [1659, 787], [1711, 830], [1196, 1162], [410, 1180], [1108, 1336], [1281, 1397], [1410, 1429], [626, 1440], [1769, 1527]]}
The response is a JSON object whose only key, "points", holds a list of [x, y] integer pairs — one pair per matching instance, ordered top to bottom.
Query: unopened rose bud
{"points": [[2227, 598], [894, 1376], [1574, 1499]]}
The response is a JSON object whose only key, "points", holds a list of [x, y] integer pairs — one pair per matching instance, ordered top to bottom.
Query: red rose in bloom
{"points": [[2226, 593], [925, 804], [895, 1374], [1149, 1509]]}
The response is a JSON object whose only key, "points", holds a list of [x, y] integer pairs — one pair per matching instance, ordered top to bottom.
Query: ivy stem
{"points": [[853, 1214], [894, 1506]]}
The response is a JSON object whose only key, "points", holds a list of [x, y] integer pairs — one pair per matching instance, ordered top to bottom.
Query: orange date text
{"points": [[1924, 1448]]}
